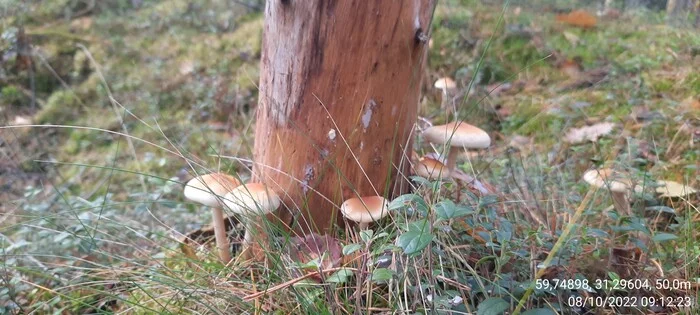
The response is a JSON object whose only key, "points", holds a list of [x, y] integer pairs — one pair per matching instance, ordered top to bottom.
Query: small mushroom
{"points": [[447, 87], [457, 134], [431, 169], [612, 181], [209, 190], [252, 201], [365, 210]]}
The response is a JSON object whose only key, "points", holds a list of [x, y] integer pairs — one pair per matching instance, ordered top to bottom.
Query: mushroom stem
{"points": [[443, 101], [452, 159], [621, 203], [363, 225], [254, 239], [222, 243]]}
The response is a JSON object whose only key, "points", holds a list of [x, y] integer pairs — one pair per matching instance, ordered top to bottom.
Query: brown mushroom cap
{"points": [[445, 84], [458, 134], [431, 169], [607, 178], [209, 189], [252, 198], [365, 209]]}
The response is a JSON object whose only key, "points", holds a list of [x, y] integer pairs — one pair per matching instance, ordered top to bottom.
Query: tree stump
{"points": [[339, 92]]}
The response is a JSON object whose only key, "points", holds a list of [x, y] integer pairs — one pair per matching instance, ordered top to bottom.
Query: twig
{"points": [[291, 282]]}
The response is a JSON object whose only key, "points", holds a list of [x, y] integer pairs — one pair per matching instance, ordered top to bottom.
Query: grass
{"points": [[90, 217]]}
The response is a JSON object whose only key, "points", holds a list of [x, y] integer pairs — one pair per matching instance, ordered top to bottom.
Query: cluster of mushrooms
{"points": [[455, 135], [252, 201]]}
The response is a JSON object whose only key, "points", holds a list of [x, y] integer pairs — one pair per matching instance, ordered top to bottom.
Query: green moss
{"points": [[247, 38], [519, 51], [692, 81], [11, 95], [61, 107]]}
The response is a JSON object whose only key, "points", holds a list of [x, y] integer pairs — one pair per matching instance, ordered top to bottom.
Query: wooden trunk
{"points": [[339, 89]]}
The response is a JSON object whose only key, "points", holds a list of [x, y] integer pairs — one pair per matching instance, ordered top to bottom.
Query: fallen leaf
{"points": [[611, 14], [579, 18], [572, 38], [187, 67], [571, 69], [586, 79], [498, 88], [691, 104], [21, 120], [588, 133], [520, 142], [670, 189], [312, 247]]}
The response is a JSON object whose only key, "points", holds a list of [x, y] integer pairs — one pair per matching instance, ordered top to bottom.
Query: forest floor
{"points": [[91, 207]]}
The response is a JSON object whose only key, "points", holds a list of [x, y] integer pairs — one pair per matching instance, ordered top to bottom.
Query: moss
{"points": [[246, 39], [519, 51], [692, 81], [11, 95], [61, 107]]}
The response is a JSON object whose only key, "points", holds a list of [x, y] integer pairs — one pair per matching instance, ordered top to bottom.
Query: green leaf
{"points": [[420, 180], [409, 201], [447, 209], [661, 209], [366, 235], [380, 235], [663, 237], [416, 238], [351, 248], [381, 274], [339, 276], [492, 306], [539, 311]]}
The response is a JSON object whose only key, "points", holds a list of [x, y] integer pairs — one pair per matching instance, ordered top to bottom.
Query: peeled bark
{"points": [[339, 89]]}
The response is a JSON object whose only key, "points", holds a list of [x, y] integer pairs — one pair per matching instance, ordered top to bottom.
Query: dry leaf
{"points": [[579, 18], [572, 38], [572, 69], [498, 88], [691, 104], [21, 120], [589, 133], [520, 142], [669, 189], [313, 246]]}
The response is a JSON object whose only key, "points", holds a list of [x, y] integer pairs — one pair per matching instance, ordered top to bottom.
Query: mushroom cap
{"points": [[445, 84], [462, 134], [431, 169], [607, 178], [209, 189], [252, 198], [365, 209]]}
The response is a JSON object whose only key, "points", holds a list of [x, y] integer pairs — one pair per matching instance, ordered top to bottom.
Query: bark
{"points": [[678, 11], [339, 89]]}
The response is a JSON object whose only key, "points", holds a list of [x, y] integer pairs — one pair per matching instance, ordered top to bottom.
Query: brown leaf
{"points": [[578, 18], [691, 104], [588, 133], [670, 189], [313, 246]]}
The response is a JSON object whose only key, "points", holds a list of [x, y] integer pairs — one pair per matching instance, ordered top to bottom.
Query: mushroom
{"points": [[446, 85], [457, 134], [431, 169], [618, 187], [209, 190], [252, 201], [364, 210]]}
